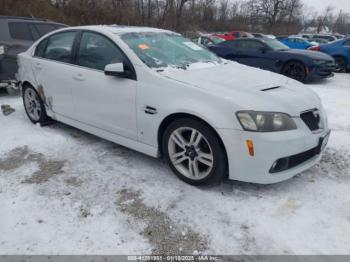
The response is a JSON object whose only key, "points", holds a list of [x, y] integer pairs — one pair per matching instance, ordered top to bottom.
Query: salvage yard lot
{"points": [[63, 191]]}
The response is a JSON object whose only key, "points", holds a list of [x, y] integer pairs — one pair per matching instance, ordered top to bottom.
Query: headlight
{"points": [[265, 121]]}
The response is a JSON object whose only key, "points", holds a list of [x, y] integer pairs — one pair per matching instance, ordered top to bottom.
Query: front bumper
{"points": [[322, 71], [269, 148]]}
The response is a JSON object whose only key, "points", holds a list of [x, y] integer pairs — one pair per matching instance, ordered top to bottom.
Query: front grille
{"points": [[312, 119], [287, 163]]}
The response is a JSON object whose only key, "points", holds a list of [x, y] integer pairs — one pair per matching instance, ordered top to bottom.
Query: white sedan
{"points": [[156, 92]]}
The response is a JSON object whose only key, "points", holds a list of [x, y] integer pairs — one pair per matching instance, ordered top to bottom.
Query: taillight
{"points": [[315, 48]]}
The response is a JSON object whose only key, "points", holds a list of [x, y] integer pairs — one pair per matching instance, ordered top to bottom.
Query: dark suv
{"points": [[17, 34]]}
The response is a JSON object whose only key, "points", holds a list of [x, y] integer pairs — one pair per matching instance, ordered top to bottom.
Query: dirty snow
{"points": [[63, 191]]}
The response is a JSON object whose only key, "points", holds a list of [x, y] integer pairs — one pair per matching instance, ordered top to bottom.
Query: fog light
{"points": [[250, 145], [280, 165]]}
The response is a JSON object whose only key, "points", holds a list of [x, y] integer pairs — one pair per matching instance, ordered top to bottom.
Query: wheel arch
{"points": [[341, 56], [292, 60], [347, 61], [24, 84], [171, 118]]}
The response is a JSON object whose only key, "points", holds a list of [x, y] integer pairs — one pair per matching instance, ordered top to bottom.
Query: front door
{"points": [[254, 53], [101, 101]]}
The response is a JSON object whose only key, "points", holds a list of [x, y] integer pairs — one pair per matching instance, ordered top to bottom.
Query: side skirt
{"points": [[126, 142]]}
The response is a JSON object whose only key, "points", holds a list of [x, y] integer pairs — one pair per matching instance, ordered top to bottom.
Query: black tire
{"points": [[341, 63], [295, 70], [43, 116], [219, 167]]}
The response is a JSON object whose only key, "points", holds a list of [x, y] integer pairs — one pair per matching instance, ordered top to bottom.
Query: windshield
{"points": [[276, 45], [159, 50]]}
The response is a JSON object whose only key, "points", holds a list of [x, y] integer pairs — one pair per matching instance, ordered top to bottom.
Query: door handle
{"points": [[79, 77]]}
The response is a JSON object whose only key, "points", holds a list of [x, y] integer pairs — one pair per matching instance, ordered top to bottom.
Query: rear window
{"points": [[20, 31]]}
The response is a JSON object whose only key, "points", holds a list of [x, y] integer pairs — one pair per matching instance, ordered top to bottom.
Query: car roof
{"points": [[23, 18], [29, 19], [121, 29]]}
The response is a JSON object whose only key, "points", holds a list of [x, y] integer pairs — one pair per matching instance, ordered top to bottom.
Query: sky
{"points": [[320, 5]]}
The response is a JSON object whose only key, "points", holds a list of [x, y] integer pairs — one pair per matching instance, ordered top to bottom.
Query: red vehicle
{"points": [[233, 35]]}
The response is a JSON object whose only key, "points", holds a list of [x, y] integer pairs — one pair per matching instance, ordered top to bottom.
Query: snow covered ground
{"points": [[63, 191]]}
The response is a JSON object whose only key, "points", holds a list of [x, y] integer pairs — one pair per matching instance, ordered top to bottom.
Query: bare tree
{"points": [[272, 16]]}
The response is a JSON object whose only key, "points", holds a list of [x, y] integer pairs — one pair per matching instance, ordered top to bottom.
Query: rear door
{"points": [[52, 64]]}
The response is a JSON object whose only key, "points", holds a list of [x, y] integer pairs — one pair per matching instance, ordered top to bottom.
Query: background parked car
{"points": [[17, 34], [234, 35], [258, 35], [306, 36], [330, 38], [207, 40], [320, 41], [297, 43], [340, 50], [272, 55]]}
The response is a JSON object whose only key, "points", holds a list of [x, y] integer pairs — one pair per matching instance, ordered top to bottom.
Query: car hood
{"points": [[310, 54], [249, 88]]}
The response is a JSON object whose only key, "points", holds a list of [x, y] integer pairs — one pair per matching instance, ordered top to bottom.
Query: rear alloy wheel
{"points": [[341, 64], [295, 70], [33, 105], [194, 152]]}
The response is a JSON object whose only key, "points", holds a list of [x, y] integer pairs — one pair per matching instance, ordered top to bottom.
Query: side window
{"points": [[44, 29], [20, 31], [34, 32], [230, 43], [347, 43], [254, 45], [60, 46], [40, 49], [97, 51]]}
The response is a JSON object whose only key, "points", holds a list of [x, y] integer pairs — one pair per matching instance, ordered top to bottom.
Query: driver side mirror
{"points": [[119, 70]]}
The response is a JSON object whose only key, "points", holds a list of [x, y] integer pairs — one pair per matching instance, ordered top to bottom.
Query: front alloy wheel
{"points": [[295, 70], [194, 152]]}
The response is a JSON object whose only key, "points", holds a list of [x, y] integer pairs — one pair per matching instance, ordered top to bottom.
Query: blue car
{"points": [[297, 43], [340, 50], [272, 55]]}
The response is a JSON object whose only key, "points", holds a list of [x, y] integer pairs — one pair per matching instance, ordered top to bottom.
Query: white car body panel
{"points": [[49, 74], [106, 102], [114, 108]]}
